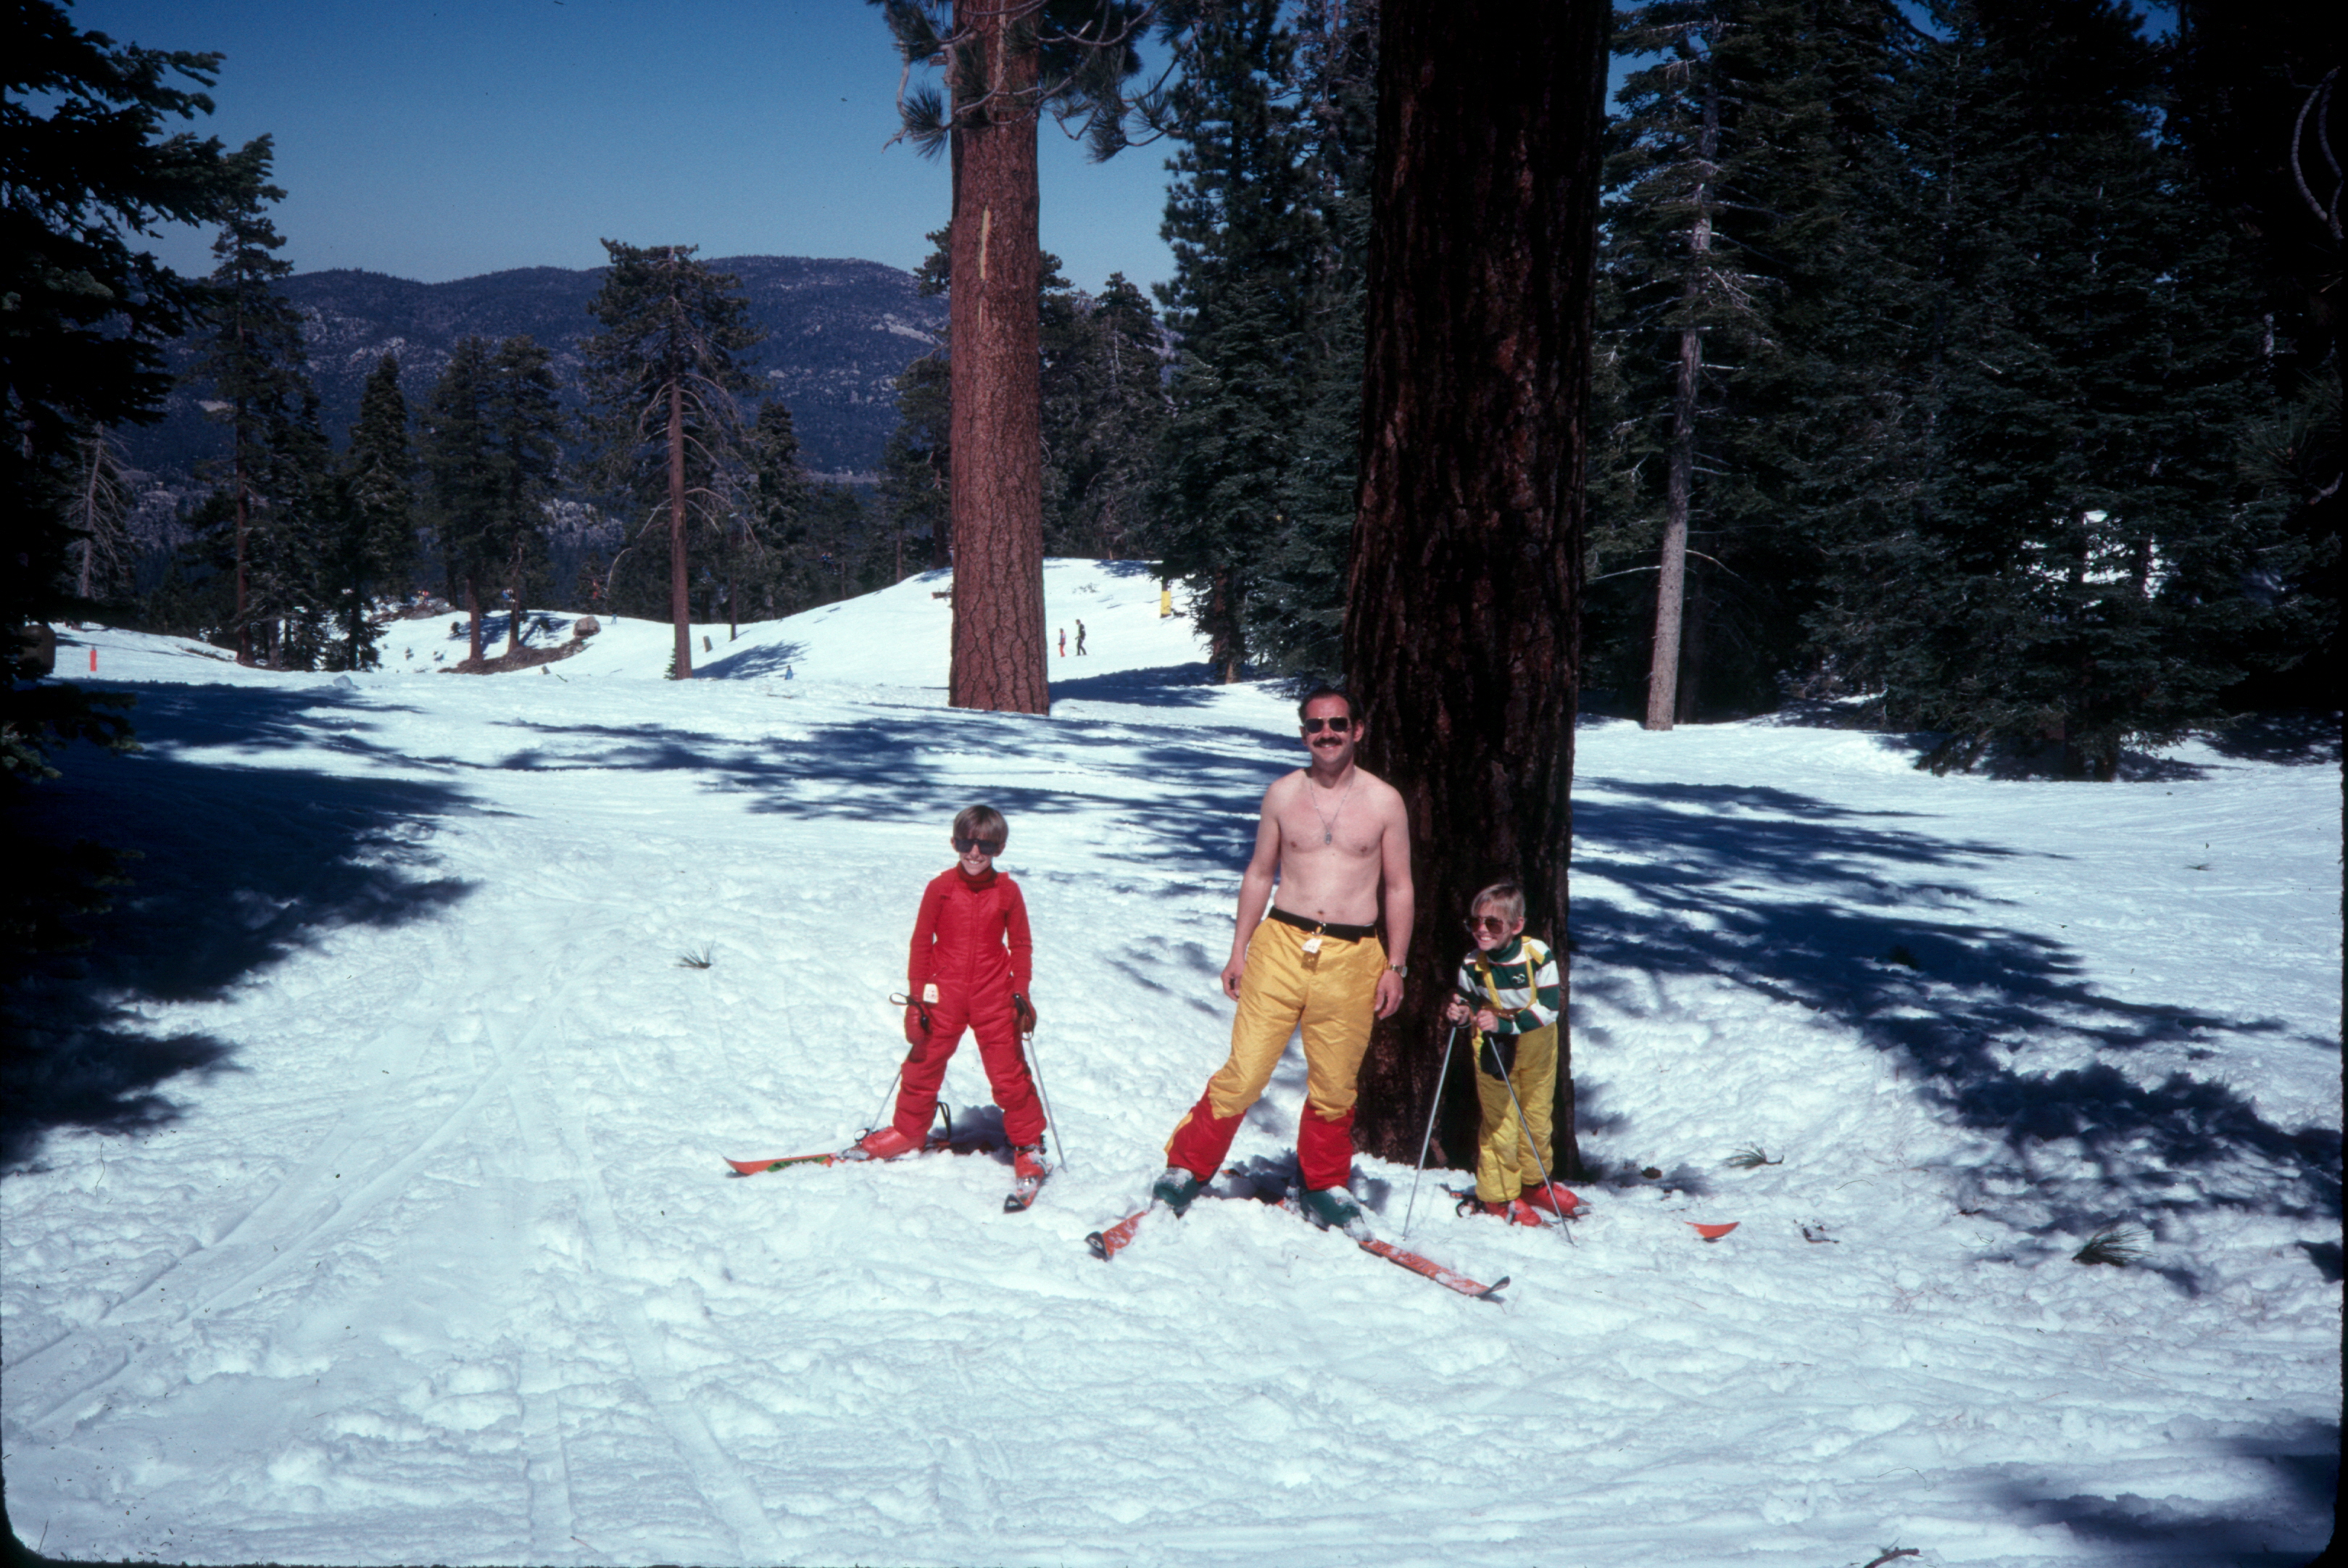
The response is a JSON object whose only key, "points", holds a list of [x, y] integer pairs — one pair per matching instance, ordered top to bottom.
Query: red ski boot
{"points": [[883, 1144], [1556, 1199]]}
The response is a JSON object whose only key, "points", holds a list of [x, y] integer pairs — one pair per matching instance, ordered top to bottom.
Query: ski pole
{"points": [[1027, 1046], [1441, 1073], [1534, 1144]]}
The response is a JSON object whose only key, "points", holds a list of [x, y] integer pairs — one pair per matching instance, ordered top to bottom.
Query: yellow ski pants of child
{"points": [[1507, 1161]]}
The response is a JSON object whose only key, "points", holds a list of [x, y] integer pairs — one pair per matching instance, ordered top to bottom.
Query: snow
{"points": [[381, 1217]]}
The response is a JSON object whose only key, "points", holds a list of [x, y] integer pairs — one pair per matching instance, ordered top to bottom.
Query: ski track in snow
{"points": [[428, 1255]]}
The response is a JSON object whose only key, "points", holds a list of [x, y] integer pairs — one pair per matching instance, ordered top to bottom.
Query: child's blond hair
{"points": [[980, 822], [1505, 898]]}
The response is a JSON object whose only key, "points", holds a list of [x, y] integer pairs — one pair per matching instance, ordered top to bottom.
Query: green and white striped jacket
{"points": [[1517, 982]]}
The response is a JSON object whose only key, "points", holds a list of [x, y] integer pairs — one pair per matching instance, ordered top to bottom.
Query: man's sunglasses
{"points": [[1337, 726], [984, 846], [1478, 923]]}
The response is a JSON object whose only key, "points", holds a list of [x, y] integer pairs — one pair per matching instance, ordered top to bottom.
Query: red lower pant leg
{"points": [[925, 1070], [1006, 1074], [1202, 1139], [1325, 1148]]}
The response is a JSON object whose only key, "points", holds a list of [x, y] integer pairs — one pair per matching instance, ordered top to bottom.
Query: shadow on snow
{"points": [[237, 867], [1847, 913]]}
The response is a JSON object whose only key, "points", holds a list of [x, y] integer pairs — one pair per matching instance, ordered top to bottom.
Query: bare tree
{"points": [[1461, 639]]}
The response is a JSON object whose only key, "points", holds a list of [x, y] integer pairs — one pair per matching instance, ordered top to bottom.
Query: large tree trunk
{"points": [[996, 433], [1679, 482], [244, 523], [680, 602], [1461, 637]]}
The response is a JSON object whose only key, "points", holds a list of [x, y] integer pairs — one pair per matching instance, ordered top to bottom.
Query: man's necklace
{"points": [[1329, 823]]}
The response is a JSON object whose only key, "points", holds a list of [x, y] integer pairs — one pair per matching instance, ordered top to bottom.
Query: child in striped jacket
{"points": [[1509, 988]]}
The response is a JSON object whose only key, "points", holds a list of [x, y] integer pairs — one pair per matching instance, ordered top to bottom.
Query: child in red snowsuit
{"points": [[970, 967]]}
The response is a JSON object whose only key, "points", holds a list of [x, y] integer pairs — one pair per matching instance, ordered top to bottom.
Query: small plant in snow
{"points": [[690, 960], [1752, 1157], [2118, 1245]]}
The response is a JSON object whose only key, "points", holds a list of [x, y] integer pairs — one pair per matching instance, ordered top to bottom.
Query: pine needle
{"points": [[690, 960], [1752, 1157], [2118, 1245]]}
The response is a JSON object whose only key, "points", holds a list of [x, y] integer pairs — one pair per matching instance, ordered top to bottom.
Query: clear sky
{"points": [[441, 138]]}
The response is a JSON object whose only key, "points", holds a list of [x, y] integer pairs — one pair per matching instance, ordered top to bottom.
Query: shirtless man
{"points": [[1312, 960]]}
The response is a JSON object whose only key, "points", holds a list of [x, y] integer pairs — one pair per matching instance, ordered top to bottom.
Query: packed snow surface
{"points": [[369, 1206]]}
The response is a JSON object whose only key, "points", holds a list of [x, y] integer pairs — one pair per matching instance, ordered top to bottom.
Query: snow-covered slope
{"points": [[377, 1215]]}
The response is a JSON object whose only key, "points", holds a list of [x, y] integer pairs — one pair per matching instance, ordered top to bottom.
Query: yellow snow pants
{"points": [[1507, 1161]]}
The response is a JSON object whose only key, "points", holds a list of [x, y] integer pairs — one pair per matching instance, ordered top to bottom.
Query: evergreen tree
{"points": [[1003, 65], [90, 172], [1242, 235], [255, 361], [663, 375], [1102, 408], [526, 426], [916, 461], [461, 472], [374, 539], [2065, 562], [763, 563], [1464, 579], [1297, 614]]}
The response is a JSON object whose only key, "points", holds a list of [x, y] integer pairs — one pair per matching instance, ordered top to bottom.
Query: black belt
{"points": [[1323, 927]]}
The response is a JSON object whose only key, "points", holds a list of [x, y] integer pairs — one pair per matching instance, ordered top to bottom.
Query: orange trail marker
{"points": [[1714, 1232]]}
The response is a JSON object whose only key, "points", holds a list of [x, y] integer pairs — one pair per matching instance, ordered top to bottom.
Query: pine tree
{"points": [[1004, 64], [91, 171], [1242, 235], [254, 360], [663, 375], [526, 426], [460, 466], [374, 537], [2065, 563], [1297, 616], [1459, 630]]}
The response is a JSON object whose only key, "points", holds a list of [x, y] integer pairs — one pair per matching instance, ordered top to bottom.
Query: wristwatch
{"points": [[1402, 970]]}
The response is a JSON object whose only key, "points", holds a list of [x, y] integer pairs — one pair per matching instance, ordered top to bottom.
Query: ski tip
{"points": [[1714, 1232], [1098, 1243], [1492, 1291]]}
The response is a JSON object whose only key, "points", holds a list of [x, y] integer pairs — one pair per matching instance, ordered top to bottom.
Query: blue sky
{"points": [[432, 139]]}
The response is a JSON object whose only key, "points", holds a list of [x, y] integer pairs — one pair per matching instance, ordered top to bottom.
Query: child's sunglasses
{"points": [[1337, 726], [984, 846], [1478, 923]]}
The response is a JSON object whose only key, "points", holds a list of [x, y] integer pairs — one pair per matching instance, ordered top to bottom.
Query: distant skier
{"points": [[1080, 639], [1064, 641], [1328, 834], [970, 967], [1509, 988]]}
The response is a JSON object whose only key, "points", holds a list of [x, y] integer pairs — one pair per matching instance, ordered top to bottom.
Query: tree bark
{"points": [[997, 427], [1679, 482], [680, 601], [1461, 633]]}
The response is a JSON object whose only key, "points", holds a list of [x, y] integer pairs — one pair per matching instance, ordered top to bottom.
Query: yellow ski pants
{"points": [[1506, 1162]]}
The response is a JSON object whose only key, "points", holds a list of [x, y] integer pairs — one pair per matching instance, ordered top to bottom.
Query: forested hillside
{"points": [[838, 334]]}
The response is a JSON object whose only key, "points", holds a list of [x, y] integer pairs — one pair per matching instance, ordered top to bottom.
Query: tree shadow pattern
{"points": [[235, 868], [1853, 915]]}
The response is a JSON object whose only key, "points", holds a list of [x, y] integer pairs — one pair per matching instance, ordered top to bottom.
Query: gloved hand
{"points": [[1025, 1011], [917, 1024], [1496, 1054]]}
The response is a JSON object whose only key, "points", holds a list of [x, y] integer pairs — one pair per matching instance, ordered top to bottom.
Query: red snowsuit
{"points": [[971, 940]]}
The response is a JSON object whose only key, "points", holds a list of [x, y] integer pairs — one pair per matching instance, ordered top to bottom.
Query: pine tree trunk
{"points": [[997, 427], [1679, 482], [243, 524], [680, 603], [473, 609], [513, 625], [1461, 632]]}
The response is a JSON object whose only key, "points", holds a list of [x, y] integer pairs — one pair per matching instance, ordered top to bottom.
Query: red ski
{"points": [[842, 1157], [1107, 1243]]}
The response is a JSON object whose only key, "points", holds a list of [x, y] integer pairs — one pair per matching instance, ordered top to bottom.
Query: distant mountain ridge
{"points": [[838, 334]]}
